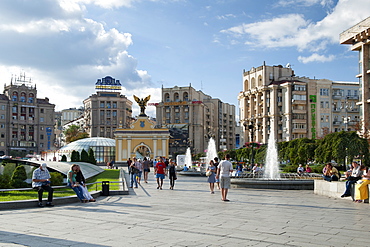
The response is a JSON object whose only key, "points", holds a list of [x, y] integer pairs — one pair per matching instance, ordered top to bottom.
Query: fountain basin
{"points": [[276, 184]]}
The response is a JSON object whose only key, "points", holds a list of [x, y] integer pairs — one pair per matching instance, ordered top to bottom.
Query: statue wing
{"points": [[136, 99], [146, 99]]}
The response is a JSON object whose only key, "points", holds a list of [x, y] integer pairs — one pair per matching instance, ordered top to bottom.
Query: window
{"points": [[299, 87], [324, 91], [15, 96], [23, 97], [299, 97], [30, 98], [102, 104], [114, 104], [2, 107], [14, 109], [41, 110], [2, 116], [41, 119], [2, 126], [2, 135], [41, 137], [41, 145]]}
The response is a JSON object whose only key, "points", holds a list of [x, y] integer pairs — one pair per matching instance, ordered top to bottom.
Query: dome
{"points": [[104, 148]]}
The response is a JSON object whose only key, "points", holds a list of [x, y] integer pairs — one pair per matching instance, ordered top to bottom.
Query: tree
{"points": [[74, 133], [341, 145], [75, 156], [84, 156], [64, 158], [92, 159], [18, 178]]}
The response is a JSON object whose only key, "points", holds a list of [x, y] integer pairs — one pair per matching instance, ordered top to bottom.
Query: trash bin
{"points": [[105, 188]]}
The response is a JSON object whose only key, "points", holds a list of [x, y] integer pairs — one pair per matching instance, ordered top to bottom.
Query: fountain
{"points": [[211, 151], [188, 161], [272, 162], [271, 178]]}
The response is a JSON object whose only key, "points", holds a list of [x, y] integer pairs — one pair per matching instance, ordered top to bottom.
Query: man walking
{"points": [[160, 171], [223, 174], [41, 183]]}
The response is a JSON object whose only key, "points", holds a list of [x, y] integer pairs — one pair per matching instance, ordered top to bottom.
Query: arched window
{"points": [[246, 86], [15, 96], [186, 96], [23, 97], [167, 97], [177, 97], [30, 98]]}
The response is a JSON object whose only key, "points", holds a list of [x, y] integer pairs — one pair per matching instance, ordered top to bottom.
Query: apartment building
{"points": [[358, 37], [275, 99], [107, 109], [193, 118], [26, 122]]}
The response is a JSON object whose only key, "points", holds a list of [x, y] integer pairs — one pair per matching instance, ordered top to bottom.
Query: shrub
{"points": [[75, 156], [84, 156], [64, 158], [290, 168], [18, 177], [56, 178], [4, 181]]}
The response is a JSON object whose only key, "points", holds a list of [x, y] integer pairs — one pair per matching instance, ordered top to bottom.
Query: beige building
{"points": [[358, 37], [275, 99], [105, 110], [193, 118], [26, 122], [141, 139]]}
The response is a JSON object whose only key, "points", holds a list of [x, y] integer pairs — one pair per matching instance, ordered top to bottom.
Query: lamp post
{"points": [[252, 127]]}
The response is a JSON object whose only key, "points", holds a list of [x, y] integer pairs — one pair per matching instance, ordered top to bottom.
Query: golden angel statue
{"points": [[142, 103]]}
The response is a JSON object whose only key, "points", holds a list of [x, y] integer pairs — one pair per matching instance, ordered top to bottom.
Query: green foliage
{"points": [[73, 133], [199, 155], [75, 156], [84, 156], [64, 158], [91, 159], [290, 168], [9, 169], [18, 177], [56, 178], [4, 181]]}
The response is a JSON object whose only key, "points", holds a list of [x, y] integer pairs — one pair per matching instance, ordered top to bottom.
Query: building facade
{"points": [[358, 37], [275, 100], [106, 109], [193, 118], [26, 122]]}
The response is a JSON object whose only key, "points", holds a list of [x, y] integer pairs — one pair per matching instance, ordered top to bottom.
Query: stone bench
{"points": [[331, 189]]}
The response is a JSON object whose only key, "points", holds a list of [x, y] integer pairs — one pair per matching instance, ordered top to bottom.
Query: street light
{"points": [[252, 127]]}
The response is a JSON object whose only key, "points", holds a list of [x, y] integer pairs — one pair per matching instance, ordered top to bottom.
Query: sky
{"points": [[65, 46]]}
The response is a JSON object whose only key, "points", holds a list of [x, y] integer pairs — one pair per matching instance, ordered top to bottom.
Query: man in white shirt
{"points": [[223, 174]]}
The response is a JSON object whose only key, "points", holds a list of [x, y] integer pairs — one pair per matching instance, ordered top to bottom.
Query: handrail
{"points": [[57, 187]]}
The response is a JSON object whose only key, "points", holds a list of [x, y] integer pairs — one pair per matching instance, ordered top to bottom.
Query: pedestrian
{"points": [[129, 162], [216, 165], [139, 166], [146, 169], [160, 172], [133, 173], [172, 173], [223, 173], [330, 173], [212, 178], [80, 179], [352, 179], [41, 182], [73, 184]]}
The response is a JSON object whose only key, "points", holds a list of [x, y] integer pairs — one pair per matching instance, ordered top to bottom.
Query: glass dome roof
{"points": [[87, 143]]}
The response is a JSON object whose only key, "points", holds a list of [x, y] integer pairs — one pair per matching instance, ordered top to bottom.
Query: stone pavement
{"points": [[191, 216]]}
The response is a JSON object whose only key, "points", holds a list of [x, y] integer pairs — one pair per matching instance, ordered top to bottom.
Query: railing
{"points": [[61, 186]]}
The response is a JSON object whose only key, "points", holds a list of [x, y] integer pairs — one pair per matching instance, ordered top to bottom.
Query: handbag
{"points": [[208, 173]]}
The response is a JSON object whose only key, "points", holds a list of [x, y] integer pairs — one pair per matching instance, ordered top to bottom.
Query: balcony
{"points": [[337, 96], [337, 122]]}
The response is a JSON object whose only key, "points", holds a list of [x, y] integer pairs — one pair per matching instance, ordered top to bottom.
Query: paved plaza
{"points": [[191, 216]]}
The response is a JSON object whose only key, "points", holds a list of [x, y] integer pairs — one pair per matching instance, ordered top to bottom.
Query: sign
{"points": [[177, 103], [313, 115]]}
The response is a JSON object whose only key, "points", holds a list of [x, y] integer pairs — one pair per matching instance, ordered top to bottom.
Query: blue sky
{"points": [[66, 45]]}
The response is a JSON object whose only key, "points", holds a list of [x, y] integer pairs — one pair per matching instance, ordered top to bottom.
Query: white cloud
{"points": [[307, 3], [293, 30], [63, 52], [316, 58]]}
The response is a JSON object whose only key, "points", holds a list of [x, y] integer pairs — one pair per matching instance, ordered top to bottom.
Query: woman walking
{"points": [[172, 173], [212, 178]]}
